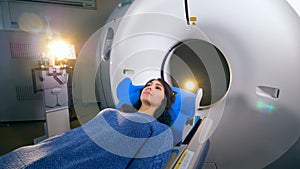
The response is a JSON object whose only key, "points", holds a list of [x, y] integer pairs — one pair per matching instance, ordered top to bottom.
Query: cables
{"points": [[186, 8]]}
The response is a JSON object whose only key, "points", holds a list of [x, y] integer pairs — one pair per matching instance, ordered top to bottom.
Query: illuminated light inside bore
{"points": [[189, 85], [262, 105]]}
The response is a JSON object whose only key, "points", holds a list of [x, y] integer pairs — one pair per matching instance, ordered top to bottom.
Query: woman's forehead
{"points": [[156, 82]]}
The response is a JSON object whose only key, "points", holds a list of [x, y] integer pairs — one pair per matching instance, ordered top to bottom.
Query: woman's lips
{"points": [[147, 92]]}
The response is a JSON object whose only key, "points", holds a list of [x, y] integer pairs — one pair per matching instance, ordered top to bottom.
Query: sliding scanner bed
{"points": [[181, 110], [187, 128], [192, 151]]}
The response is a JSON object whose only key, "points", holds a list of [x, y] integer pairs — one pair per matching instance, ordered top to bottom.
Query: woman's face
{"points": [[153, 94]]}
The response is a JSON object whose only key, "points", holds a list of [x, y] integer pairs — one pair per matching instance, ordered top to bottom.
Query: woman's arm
{"points": [[155, 152]]}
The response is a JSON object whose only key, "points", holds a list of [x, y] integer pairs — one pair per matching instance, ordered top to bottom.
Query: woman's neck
{"points": [[148, 109]]}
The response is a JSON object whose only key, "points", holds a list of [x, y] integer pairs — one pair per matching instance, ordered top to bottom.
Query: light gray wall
{"points": [[24, 23], [74, 23]]}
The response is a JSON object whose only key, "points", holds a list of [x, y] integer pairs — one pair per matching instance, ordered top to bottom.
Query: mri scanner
{"points": [[243, 54]]}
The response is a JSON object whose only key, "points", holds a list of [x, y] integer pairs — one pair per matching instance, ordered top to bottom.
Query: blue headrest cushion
{"points": [[181, 109]]}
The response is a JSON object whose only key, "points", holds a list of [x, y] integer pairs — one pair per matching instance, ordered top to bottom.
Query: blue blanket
{"points": [[112, 139]]}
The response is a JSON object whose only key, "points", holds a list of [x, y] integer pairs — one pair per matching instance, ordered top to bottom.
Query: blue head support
{"points": [[181, 109]]}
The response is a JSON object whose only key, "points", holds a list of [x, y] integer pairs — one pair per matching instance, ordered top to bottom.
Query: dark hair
{"points": [[162, 113]]}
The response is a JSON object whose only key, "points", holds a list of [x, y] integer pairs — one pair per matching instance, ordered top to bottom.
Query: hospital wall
{"points": [[23, 27]]}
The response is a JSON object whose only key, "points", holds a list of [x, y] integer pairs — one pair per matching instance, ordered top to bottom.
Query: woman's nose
{"points": [[149, 87]]}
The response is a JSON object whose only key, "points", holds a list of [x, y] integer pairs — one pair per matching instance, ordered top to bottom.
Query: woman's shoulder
{"points": [[108, 111], [159, 127]]}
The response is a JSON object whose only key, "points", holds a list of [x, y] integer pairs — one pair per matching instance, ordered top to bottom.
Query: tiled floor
{"points": [[17, 134]]}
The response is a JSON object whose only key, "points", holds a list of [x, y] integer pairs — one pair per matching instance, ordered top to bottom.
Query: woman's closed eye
{"points": [[155, 85]]}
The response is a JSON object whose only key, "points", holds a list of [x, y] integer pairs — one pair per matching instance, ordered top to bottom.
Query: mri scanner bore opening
{"points": [[194, 64]]}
